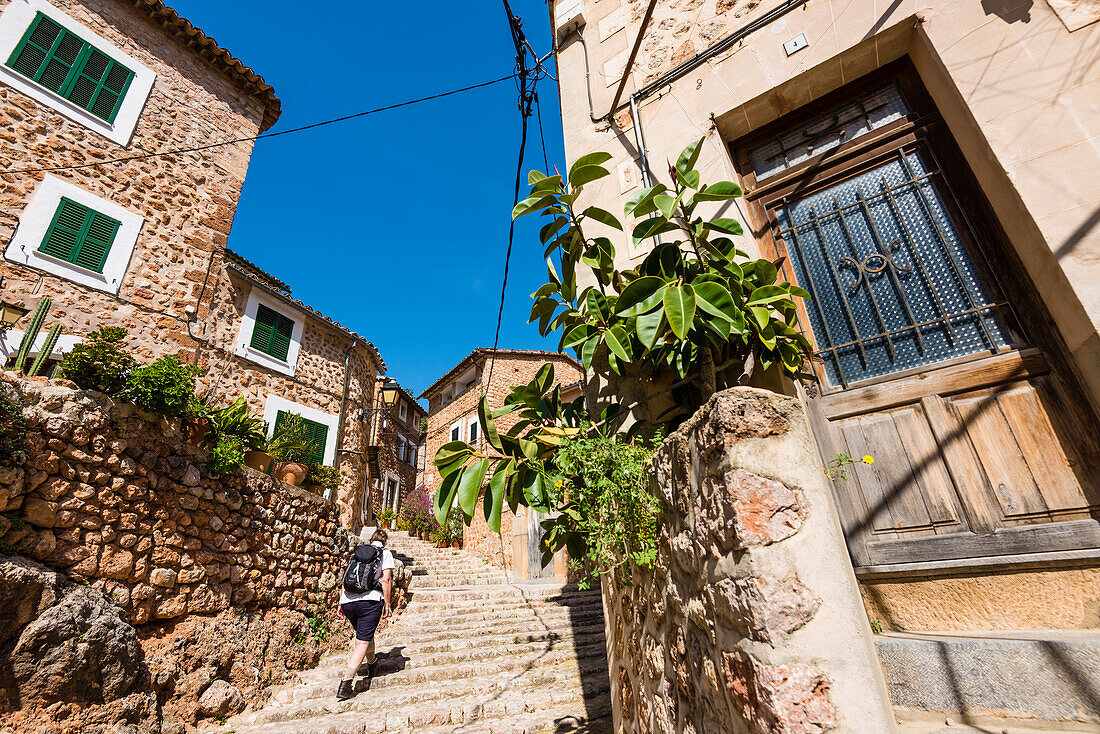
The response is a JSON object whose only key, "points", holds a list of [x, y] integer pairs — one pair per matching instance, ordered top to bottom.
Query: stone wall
{"points": [[187, 201], [113, 496], [750, 621]]}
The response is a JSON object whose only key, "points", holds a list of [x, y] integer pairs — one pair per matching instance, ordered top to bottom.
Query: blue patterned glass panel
{"points": [[893, 285]]}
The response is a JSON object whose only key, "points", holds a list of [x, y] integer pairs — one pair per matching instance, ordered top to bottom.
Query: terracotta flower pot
{"points": [[195, 429], [258, 460], [291, 472], [456, 544]]}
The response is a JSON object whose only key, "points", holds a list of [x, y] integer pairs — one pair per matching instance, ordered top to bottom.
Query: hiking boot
{"points": [[372, 668], [344, 691]]}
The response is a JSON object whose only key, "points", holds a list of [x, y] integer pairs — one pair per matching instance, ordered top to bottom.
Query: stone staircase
{"points": [[473, 653]]}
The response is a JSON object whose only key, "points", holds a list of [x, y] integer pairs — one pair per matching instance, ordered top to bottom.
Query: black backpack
{"points": [[364, 569]]}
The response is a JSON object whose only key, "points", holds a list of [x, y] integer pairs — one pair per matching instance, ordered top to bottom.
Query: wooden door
{"points": [[936, 358]]}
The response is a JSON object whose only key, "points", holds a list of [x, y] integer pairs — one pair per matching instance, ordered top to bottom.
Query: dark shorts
{"points": [[364, 616]]}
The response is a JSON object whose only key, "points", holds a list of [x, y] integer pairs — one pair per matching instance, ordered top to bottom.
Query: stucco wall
{"points": [[1016, 88], [750, 620]]}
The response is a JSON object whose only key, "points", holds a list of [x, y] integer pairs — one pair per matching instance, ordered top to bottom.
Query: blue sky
{"points": [[395, 224]]}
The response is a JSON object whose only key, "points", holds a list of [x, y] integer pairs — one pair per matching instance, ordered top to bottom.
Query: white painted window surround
{"points": [[14, 22], [36, 219], [256, 296], [10, 341], [276, 403], [456, 431], [391, 484]]}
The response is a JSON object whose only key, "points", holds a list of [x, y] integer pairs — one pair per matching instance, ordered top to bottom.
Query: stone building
{"points": [[927, 171], [141, 243], [452, 416], [397, 435]]}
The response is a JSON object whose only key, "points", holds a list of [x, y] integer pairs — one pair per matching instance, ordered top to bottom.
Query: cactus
{"points": [[33, 327], [46, 350]]}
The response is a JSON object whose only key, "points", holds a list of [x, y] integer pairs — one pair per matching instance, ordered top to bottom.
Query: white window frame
{"points": [[14, 22], [35, 222], [257, 296], [10, 341], [276, 403], [403, 411], [457, 425], [470, 428], [395, 501]]}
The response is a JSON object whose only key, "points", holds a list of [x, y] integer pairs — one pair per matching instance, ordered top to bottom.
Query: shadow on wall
{"points": [[1010, 11]]}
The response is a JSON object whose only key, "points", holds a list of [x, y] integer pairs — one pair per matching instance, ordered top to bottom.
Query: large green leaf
{"points": [[689, 157], [592, 159], [586, 174], [720, 191], [642, 197], [532, 204], [603, 217], [731, 226], [651, 227], [550, 229], [766, 294], [640, 295], [715, 299], [597, 305], [679, 308], [761, 316], [650, 327], [579, 334], [618, 342], [588, 351], [544, 378], [488, 425], [452, 450], [469, 486], [533, 491], [445, 497], [494, 497]]}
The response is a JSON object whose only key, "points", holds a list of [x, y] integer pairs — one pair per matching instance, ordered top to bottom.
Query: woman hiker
{"points": [[364, 609]]}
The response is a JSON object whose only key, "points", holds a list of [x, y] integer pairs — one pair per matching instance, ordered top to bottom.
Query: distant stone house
{"points": [[141, 244], [452, 416], [397, 435]]}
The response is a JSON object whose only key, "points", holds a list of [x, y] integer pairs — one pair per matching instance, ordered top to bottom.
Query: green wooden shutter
{"points": [[67, 65], [80, 235], [272, 332], [317, 433]]}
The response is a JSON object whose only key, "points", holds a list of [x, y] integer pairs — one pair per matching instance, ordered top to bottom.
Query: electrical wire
{"points": [[527, 97], [263, 136]]}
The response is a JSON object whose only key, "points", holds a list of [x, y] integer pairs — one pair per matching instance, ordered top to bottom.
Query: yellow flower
{"points": [[868, 459], [557, 483]]}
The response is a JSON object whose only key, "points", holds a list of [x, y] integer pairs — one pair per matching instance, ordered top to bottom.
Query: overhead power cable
{"points": [[526, 79], [262, 136]]}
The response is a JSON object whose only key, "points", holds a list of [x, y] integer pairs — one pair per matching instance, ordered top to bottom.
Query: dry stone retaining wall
{"points": [[114, 496], [751, 621]]}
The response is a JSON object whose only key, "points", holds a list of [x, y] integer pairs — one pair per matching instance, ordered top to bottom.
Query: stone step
{"points": [[506, 594], [476, 622], [590, 635], [403, 671], [1034, 675], [555, 684], [503, 716]]}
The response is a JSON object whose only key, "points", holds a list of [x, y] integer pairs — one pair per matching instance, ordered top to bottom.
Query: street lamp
{"points": [[9, 314], [388, 393]]}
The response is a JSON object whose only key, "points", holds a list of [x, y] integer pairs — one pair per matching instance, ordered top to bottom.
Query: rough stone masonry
{"points": [[115, 496], [750, 621]]}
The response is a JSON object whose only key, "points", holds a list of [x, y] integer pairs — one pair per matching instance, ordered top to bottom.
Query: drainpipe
{"points": [[639, 140], [343, 410]]}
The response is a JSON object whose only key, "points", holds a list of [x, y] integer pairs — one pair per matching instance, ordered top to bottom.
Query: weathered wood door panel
{"points": [[982, 444]]}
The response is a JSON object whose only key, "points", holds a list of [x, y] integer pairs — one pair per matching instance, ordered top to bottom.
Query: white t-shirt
{"points": [[387, 563]]}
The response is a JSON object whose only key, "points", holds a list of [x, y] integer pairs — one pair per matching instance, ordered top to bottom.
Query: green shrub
{"points": [[99, 362], [165, 387], [236, 422], [13, 432], [291, 442], [224, 458], [326, 476], [386, 516]]}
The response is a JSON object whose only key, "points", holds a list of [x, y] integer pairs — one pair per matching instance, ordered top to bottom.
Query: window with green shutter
{"points": [[67, 65], [80, 235], [271, 333], [317, 433]]}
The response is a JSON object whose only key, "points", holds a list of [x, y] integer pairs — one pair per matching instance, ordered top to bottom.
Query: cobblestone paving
{"points": [[474, 653]]}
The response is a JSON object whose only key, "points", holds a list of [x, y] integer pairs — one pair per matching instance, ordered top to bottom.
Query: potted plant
{"points": [[196, 421], [236, 422], [292, 449], [322, 478], [385, 518], [454, 531], [440, 537]]}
